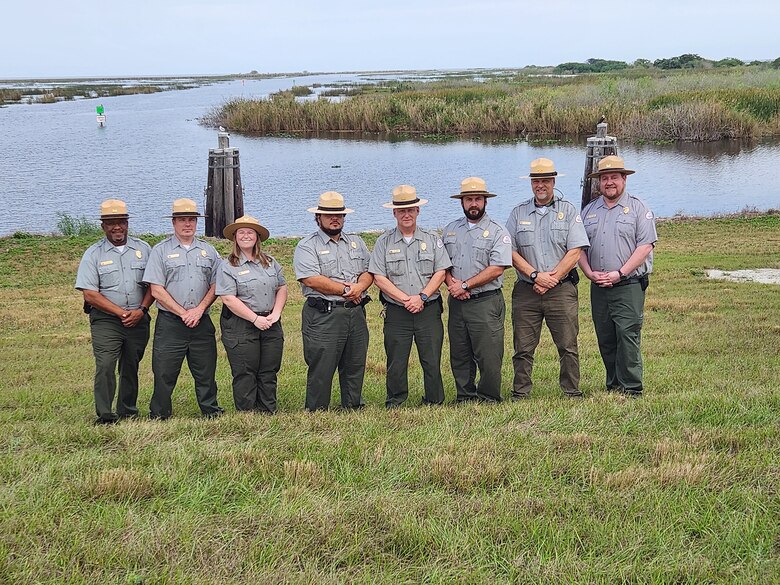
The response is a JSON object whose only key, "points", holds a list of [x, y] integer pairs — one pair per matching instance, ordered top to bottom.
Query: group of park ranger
{"points": [[544, 239]]}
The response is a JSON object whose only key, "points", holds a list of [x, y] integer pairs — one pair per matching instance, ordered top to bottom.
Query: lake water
{"points": [[56, 159]]}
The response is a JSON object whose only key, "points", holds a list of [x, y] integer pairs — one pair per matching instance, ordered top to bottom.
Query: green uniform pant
{"points": [[558, 307], [618, 313], [426, 329], [476, 331], [337, 339], [173, 341], [112, 342], [255, 357]]}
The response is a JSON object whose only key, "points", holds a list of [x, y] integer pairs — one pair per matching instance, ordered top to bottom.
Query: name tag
{"points": [[591, 216], [524, 222], [451, 234], [394, 251], [323, 252], [173, 255], [106, 262], [243, 272]]}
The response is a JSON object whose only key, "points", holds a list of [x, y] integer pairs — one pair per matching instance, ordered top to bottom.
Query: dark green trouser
{"points": [[559, 308], [618, 313], [476, 330], [427, 331], [331, 340], [173, 341], [112, 342], [255, 358]]}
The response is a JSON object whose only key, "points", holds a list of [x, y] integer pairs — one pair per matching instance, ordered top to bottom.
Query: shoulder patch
{"points": [[649, 215], [578, 219], [506, 240], [439, 243]]}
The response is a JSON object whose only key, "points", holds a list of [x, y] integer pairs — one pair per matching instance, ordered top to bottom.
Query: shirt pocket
{"points": [[626, 226], [591, 227], [559, 232], [524, 235], [451, 245], [482, 248], [357, 261], [425, 261], [328, 263], [205, 264], [395, 264], [139, 267], [175, 269], [109, 276], [246, 285]]}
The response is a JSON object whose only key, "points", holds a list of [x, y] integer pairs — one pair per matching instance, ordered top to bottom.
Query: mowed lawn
{"points": [[682, 486]]}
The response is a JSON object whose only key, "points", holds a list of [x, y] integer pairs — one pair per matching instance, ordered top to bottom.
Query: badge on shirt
{"points": [[626, 210], [560, 215], [649, 215], [578, 219], [485, 234], [439, 244], [354, 245], [423, 246], [203, 253], [138, 254], [173, 255], [106, 262], [243, 272]]}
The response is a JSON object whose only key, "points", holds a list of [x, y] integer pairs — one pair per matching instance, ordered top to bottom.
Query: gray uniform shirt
{"points": [[615, 233], [543, 235], [473, 250], [319, 255], [409, 266], [116, 275], [187, 275], [251, 282]]}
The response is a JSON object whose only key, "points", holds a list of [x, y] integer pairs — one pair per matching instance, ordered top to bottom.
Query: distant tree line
{"points": [[686, 61]]}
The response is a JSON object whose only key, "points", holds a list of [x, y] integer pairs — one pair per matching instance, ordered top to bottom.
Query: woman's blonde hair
{"points": [[235, 255]]}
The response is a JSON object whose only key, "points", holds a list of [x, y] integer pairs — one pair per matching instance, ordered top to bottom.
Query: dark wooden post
{"points": [[599, 146], [224, 192]]}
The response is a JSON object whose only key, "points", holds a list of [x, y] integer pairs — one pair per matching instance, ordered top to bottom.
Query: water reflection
{"points": [[56, 159]]}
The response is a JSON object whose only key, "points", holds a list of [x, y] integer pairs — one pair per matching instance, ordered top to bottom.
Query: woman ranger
{"points": [[253, 292]]}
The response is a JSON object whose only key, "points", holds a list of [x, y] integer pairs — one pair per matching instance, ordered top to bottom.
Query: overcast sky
{"points": [[47, 38]]}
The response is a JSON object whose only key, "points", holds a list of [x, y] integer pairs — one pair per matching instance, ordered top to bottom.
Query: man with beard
{"points": [[547, 239], [480, 251], [619, 261], [408, 264], [332, 267], [182, 273], [110, 276]]}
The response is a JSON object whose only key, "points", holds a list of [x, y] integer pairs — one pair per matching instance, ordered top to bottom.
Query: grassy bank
{"points": [[640, 104], [679, 487]]}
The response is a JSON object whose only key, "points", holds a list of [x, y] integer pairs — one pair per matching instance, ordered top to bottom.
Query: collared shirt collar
{"points": [[621, 202], [483, 222], [398, 236], [325, 238], [176, 242], [108, 246]]}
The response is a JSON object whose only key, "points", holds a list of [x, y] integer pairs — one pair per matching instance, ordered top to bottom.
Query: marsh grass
{"points": [[696, 106], [678, 487]]}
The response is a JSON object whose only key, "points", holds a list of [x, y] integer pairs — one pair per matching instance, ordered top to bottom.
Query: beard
{"points": [[474, 213], [331, 231]]}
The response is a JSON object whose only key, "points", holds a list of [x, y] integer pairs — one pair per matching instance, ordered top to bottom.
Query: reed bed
{"points": [[700, 106]]}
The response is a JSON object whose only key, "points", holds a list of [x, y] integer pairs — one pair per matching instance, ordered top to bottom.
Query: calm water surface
{"points": [[56, 159]]}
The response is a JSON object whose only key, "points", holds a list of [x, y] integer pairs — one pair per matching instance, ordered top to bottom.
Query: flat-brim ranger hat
{"points": [[611, 164], [542, 168], [472, 186], [404, 196], [330, 203], [184, 208], [113, 209], [245, 221]]}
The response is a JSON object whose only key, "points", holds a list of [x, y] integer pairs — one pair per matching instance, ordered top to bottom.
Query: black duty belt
{"points": [[482, 295], [326, 306]]}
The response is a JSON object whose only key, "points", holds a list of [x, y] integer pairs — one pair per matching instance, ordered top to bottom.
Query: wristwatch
{"points": [[533, 275], [622, 276], [464, 285], [347, 290], [424, 297], [145, 309]]}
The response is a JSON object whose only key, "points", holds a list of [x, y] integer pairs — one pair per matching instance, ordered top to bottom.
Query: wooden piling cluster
{"points": [[599, 146], [224, 192]]}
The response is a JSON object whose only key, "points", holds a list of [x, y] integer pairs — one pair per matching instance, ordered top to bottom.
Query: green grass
{"points": [[641, 104], [678, 487]]}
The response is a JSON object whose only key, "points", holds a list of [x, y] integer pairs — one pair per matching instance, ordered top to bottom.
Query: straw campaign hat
{"points": [[611, 164], [542, 168], [472, 186], [404, 196], [330, 203], [185, 208], [113, 209], [245, 221]]}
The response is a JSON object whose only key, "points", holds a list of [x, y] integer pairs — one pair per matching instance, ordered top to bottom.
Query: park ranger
{"points": [[547, 239], [480, 251], [619, 261], [409, 264], [332, 267], [182, 272], [110, 276]]}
